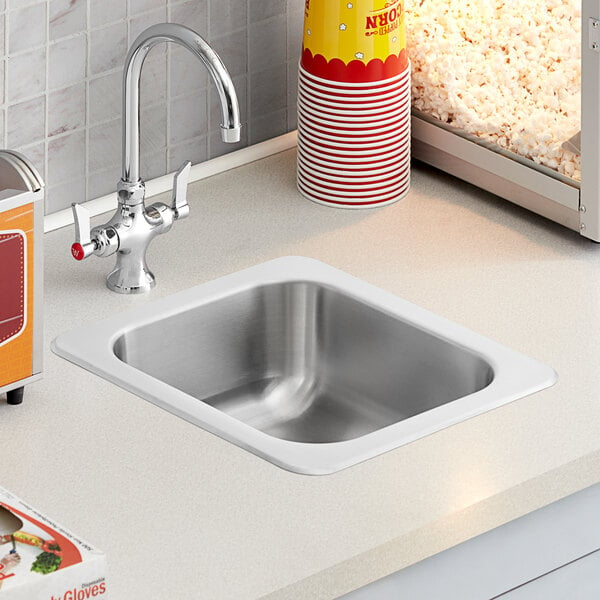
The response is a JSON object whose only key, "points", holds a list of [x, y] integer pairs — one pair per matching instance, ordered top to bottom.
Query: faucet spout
{"points": [[179, 34]]}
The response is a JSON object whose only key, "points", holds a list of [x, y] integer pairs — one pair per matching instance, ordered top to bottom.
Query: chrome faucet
{"points": [[131, 229]]}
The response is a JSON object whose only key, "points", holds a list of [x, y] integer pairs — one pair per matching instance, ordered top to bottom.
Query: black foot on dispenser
{"points": [[15, 396]]}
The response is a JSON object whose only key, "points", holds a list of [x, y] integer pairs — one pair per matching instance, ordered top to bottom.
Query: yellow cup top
{"points": [[362, 30]]}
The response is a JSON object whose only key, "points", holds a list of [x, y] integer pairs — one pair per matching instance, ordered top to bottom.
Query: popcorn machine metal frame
{"points": [[522, 181]]}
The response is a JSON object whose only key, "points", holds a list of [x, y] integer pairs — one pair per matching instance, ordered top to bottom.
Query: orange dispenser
{"points": [[21, 237]]}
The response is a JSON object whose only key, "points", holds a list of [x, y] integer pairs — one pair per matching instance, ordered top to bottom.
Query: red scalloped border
{"points": [[355, 71]]}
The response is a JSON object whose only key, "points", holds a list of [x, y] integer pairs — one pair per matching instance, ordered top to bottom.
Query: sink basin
{"points": [[303, 365]]}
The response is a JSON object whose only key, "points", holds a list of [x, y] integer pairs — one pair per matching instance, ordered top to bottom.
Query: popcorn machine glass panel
{"points": [[507, 72], [506, 95]]}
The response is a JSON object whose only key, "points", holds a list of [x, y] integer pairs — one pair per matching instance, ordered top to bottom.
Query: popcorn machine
{"points": [[506, 95], [21, 243]]}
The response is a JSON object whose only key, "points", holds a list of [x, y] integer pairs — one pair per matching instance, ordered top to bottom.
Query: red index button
{"points": [[77, 251]]}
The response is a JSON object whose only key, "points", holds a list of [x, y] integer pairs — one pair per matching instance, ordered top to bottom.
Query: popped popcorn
{"points": [[507, 72]]}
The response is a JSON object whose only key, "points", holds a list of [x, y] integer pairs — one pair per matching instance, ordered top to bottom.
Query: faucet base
{"points": [[122, 283]]}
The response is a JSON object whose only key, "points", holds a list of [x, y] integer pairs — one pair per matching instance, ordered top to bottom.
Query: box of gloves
{"points": [[40, 560]]}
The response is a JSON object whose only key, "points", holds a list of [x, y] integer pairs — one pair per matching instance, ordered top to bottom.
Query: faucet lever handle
{"points": [[180, 205], [83, 246]]}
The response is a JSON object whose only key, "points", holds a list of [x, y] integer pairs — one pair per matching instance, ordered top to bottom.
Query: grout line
{"points": [[22, 4], [68, 37], [32, 49], [6, 67], [287, 69], [87, 77], [248, 78], [208, 85], [168, 91], [47, 95], [24, 99], [87, 100]]}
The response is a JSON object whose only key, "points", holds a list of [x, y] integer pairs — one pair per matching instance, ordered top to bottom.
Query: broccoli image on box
{"points": [[41, 559]]}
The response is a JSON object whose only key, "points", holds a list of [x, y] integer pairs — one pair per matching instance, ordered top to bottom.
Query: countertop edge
{"points": [[442, 534]]}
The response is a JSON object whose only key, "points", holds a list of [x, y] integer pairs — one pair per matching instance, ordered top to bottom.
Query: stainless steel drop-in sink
{"points": [[303, 364]]}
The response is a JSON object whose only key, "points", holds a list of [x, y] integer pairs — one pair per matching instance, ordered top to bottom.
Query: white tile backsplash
{"points": [[138, 6], [259, 10], [105, 12], [193, 13], [227, 16], [67, 17], [138, 23], [27, 28], [2, 36], [267, 43], [108, 47], [233, 50], [67, 62], [26, 75], [188, 75], [61, 77], [2, 81], [268, 90], [105, 98], [66, 109], [188, 117], [26, 122], [268, 126], [153, 129], [105, 146], [195, 150], [66, 161], [155, 164], [103, 182], [63, 194]]}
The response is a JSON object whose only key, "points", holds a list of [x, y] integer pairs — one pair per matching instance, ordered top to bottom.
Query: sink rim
{"points": [[514, 374]]}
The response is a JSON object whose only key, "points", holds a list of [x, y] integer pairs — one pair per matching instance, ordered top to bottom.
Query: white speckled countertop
{"points": [[184, 514]]}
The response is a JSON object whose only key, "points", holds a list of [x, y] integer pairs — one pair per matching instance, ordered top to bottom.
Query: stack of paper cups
{"points": [[354, 104]]}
